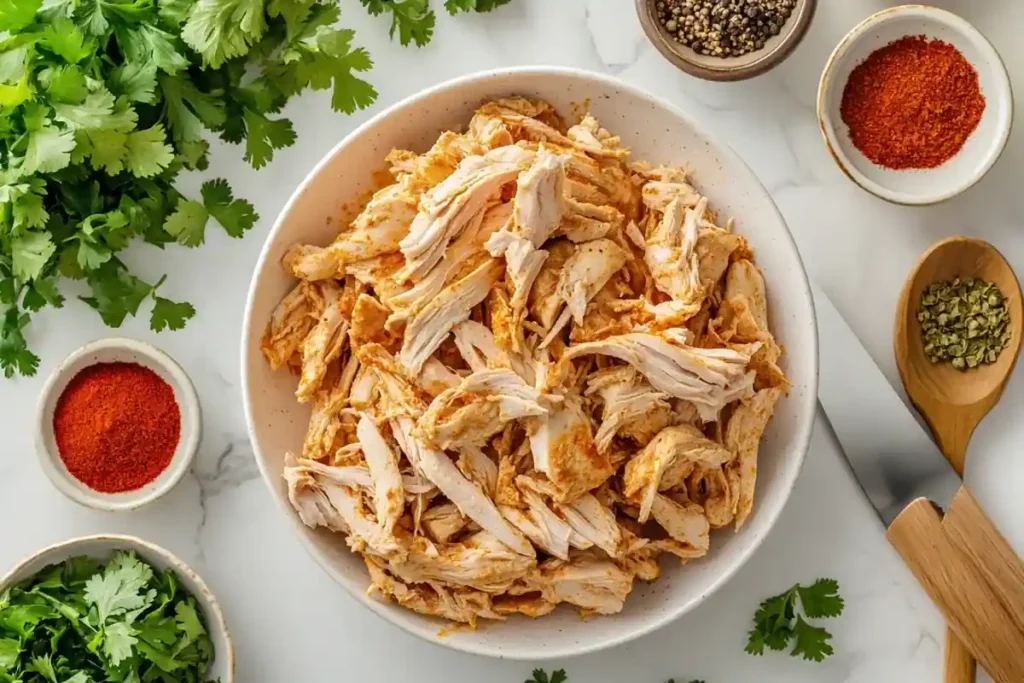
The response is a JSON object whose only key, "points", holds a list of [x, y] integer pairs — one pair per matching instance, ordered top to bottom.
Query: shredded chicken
{"points": [[534, 369]]}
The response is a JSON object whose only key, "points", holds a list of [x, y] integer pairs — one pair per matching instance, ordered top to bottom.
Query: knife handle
{"points": [[954, 560]]}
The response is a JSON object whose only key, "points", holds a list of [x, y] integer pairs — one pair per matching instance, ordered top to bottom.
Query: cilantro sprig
{"points": [[413, 20], [103, 104], [782, 619], [80, 622]]}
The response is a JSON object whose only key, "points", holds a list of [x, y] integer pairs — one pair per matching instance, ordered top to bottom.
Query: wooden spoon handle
{"points": [[976, 611], [960, 665]]}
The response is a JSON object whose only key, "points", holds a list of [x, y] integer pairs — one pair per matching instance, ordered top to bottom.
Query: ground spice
{"points": [[912, 103], [117, 426]]}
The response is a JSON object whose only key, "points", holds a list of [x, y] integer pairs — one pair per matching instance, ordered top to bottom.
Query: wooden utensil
{"points": [[952, 401]]}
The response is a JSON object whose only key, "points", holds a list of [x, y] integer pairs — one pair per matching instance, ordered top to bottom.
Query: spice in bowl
{"points": [[724, 28], [912, 104], [964, 322], [117, 426]]}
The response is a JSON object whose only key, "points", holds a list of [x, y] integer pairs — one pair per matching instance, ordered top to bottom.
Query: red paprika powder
{"points": [[912, 103], [117, 426]]}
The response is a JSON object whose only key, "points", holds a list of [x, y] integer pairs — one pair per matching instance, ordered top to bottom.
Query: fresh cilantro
{"points": [[456, 6], [17, 14], [412, 20], [103, 103], [235, 215], [188, 223], [170, 315], [82, 622], [778, 622], [541, 676]]}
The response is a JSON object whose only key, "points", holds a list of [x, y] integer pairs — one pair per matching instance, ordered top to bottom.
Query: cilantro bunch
{"points": [[413, 20], [103, 103], [779, 621], [78, 622]]}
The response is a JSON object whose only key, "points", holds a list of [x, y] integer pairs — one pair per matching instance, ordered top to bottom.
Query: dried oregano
{"points": [[964, 322]]}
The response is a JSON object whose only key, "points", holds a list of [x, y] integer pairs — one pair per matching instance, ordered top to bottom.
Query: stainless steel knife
{"points": [[968, 569]]}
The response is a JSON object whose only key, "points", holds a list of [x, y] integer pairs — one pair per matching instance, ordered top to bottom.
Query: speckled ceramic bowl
{"points": [[739, 68], [657, 132], [983, 147], [117, 350], [103, 546]]}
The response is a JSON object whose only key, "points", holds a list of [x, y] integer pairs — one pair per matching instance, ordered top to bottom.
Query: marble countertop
{"points": [[291, 623]]}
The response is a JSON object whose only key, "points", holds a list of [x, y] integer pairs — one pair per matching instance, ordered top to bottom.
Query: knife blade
{"points": [[892, 457]]}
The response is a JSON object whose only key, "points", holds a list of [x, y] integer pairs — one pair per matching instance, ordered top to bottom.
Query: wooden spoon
{"points": [[953, 401]]}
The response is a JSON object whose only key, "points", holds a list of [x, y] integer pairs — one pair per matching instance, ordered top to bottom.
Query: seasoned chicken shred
{"points": [[534, 367]]}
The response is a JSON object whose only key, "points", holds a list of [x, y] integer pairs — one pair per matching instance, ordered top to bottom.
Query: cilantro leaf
{"points": [[456, 6], [17, 14], [413, 20], [222, 29], [67, 42], [148, 44], [134, 81], [65, 84], [95, 112], [264, 136], [49, 150], [147, 152], [235, 215], [188, 223], [31, 252], [43, 291], [116, 293], [170, 315], [14, 354], [118, 589], [821, 599], [187, 620], [778, 622], [118, 640], [812, 642], [10, 650], [44, 667], [541, 676]]}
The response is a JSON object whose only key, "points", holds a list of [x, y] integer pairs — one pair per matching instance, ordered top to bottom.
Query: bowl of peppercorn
{"points": [[725, 40], [915, 105], [117, 424]]}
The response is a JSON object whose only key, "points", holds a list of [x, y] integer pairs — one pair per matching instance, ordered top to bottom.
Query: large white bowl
{"points": [[657, 132]]}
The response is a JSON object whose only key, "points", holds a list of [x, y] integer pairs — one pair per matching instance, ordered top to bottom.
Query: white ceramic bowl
{"points": [[657, 132], [983, 147], [117, 350], [101, 547]]}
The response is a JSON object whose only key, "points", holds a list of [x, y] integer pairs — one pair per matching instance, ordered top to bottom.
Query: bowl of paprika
{"points": [[915, 105], [118, 424]]}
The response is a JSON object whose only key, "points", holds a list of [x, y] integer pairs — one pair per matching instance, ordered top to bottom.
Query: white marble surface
{"points": [[291, 623]]}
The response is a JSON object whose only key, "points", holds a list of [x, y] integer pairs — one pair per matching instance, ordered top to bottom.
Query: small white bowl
{"points": [[983, 147], [117, 350], [101, 547]]}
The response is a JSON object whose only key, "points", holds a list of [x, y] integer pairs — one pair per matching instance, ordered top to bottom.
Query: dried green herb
{"points": [[964, 322]]}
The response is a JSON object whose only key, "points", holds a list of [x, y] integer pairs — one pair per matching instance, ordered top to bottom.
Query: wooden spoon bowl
{"points": [[953, 401]]}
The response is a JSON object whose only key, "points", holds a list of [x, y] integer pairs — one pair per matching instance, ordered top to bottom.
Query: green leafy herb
{"points": [[413, 20], [104, 103], [80, 622], [778, 623], [541, 676]]}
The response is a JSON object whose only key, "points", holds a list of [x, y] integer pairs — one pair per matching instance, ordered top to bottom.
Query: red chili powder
{"points": [[912, 103], [117, 426]]}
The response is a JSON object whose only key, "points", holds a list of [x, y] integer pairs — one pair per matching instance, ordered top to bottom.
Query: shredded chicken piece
{"points": [[534, 368], [682, 443]]}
